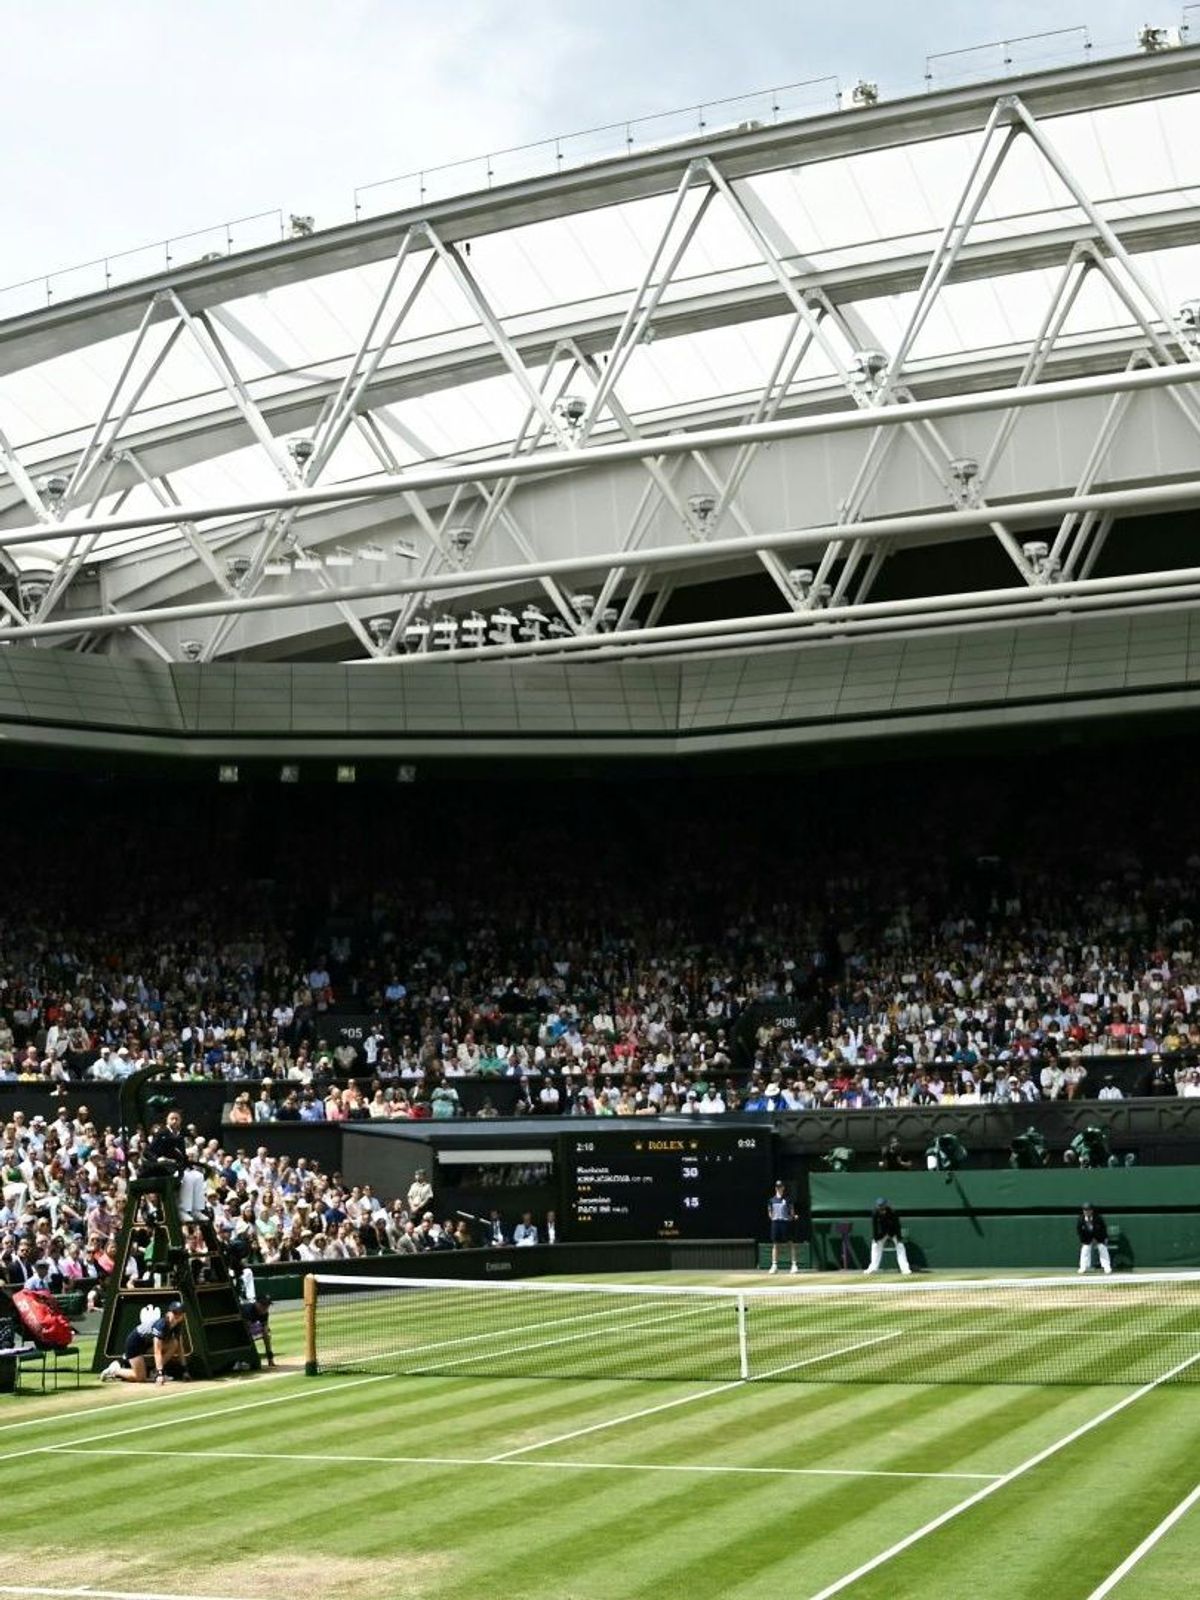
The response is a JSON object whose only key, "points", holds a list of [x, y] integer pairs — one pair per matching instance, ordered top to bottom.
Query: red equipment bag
{"points": [[41, 1318]]}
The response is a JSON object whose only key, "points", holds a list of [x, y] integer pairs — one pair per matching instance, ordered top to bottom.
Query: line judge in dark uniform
{"points": [[886, 1230], [1092, 1230]]}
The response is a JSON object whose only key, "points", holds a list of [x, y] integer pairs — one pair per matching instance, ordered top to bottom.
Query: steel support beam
{"points": [[931, 526]]}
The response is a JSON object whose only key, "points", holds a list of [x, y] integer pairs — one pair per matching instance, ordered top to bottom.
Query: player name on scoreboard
{"points": [[707, 1183]]}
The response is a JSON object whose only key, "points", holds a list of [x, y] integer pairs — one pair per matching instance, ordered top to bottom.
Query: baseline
{"points": [[999, 1483], [83, 1592]]}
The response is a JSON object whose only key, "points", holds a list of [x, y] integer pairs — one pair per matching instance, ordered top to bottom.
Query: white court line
{"points": [[142, 1394], [688, 1399], [197, 1416], [474, 1461], [999, 1483], [1147, 1544], [83, 1592]]}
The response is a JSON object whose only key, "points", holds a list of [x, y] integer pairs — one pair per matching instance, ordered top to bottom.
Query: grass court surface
{"points": [[460, 1487]]}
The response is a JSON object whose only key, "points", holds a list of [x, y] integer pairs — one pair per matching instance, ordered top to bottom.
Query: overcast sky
{"points": [[129, 120]]}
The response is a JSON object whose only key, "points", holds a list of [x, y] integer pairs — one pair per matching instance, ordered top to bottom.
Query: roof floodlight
{"points": [[1152, 39], [865, 93], [300, 227], [1189, 315], [867, 365], [574, 408], [300, 448], [964, 469], [54, 486], [702, 506], [461, 539], [404, 549], [1035, 551], [372, 552], [339, 556], [306, 561], [277, 566], [237, 567], [801, 578], [584, 604], [608, 618], [379, 628], [556, 628], [445, 632], [191, 649]]}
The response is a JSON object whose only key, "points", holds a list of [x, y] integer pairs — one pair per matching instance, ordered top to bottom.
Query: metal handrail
{"points": [[1009, 47], [546, 156], [542, 157], [104, 272]]}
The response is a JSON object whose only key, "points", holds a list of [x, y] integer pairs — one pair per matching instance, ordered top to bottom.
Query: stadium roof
{"points": [[787, 348]]}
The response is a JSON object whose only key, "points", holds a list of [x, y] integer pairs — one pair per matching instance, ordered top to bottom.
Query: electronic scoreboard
{"points": [[667, 1183]]}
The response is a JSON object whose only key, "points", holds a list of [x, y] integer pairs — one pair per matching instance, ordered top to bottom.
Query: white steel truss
{"points": [[473, 522]]}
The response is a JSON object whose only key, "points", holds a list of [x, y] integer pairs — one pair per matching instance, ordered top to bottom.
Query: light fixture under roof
{"points": [[372, 552], [339, 556], [307, 562], [277, 567], [503, 626], [473, 630]]}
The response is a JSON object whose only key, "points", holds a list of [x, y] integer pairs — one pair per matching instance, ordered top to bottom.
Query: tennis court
{"points": [[452, 1485]]}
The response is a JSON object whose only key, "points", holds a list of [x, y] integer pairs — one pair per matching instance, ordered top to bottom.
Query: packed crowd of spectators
{"points": [[604, 946], [63, 1189]]}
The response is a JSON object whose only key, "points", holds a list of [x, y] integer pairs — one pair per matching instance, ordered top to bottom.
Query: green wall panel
{"points": [[1063, 1189]]}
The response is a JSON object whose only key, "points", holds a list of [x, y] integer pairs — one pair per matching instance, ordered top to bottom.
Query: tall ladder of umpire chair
{"points": [[216, 1338]]}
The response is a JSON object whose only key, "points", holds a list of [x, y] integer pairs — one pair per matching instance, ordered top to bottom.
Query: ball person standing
{"points": [[782, 1216], [885, 1230], [1092, 1230]]}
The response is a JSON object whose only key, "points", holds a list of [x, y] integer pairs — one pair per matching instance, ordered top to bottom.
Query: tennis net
{"points": [[1126, 1330]]}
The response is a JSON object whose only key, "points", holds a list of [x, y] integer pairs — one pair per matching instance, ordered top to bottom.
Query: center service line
{"points": [[689, 1399]]}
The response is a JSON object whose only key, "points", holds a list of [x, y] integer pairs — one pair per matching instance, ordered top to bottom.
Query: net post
{"points": [[310, 1325], [743, 1345]]}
